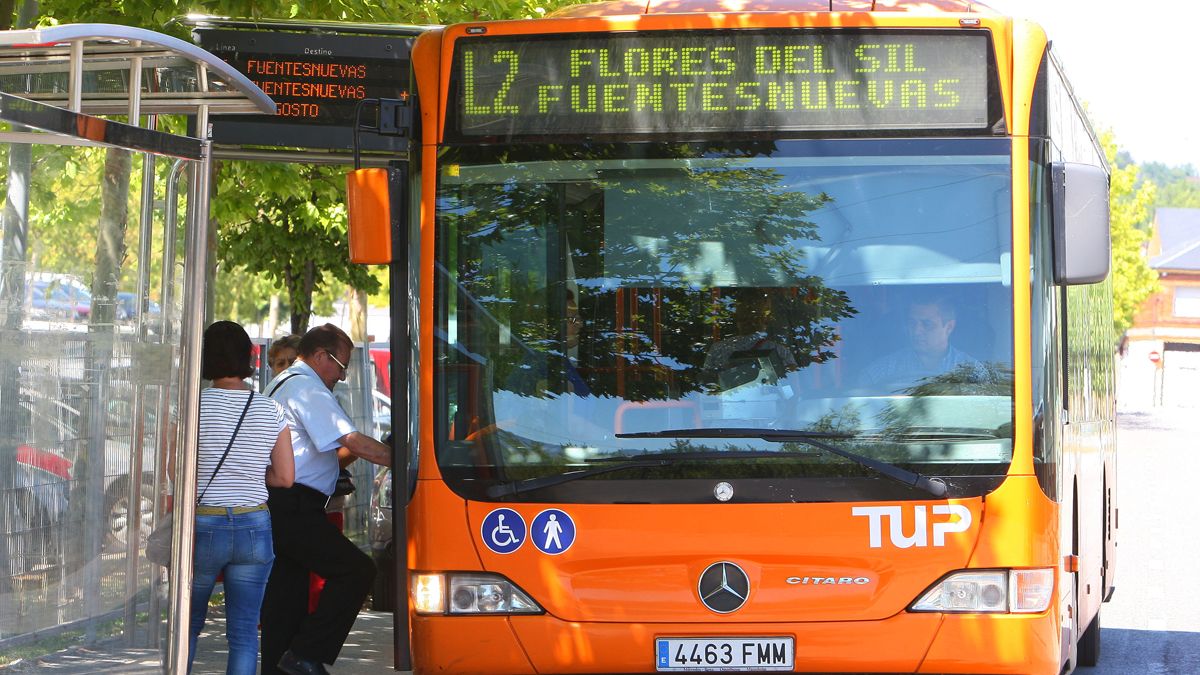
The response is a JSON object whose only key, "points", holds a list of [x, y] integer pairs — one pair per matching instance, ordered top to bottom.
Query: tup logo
{"points": [[922, 529]]}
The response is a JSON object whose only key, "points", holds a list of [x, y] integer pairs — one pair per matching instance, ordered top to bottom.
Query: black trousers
{"points": [[305, 541]]}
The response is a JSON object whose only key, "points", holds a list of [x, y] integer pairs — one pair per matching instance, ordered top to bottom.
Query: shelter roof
{"points": [[101, 69]]}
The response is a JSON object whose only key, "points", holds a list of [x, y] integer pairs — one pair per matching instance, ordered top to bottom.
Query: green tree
{"points": [[1178, 186], [1130, 206], [295, 235], [295, 243]]}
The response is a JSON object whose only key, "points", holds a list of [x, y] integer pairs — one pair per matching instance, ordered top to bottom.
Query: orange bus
{"points": [[754, 337]]}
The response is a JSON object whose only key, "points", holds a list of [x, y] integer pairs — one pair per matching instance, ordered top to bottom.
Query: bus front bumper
{"points": [[999, 644]]}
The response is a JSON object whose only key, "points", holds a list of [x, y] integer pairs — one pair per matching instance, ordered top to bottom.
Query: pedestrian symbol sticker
{"points": [[503, 531], [552, 531]]}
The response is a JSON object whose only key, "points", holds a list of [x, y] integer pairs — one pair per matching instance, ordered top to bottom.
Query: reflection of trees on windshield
{"points": [[659, 262], [984, 379]]}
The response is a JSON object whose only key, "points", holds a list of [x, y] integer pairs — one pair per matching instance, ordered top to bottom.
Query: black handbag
{"points": [[344, 485]]}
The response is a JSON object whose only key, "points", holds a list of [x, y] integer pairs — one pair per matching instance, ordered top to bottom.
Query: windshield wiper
{"points": [[932, 435], [620, 463], [934, 486]]}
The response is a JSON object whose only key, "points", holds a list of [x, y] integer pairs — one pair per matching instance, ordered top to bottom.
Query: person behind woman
{"points": [[283, 353], [233, 526]]}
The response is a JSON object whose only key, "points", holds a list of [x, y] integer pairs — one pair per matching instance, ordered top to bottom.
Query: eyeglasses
{"points": [[335, 360]]}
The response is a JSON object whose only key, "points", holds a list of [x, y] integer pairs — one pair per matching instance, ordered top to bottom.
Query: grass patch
{"points": [[60, 642]]}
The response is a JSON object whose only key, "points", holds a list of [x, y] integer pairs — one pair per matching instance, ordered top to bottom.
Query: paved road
{"points": [[1152, 624]]}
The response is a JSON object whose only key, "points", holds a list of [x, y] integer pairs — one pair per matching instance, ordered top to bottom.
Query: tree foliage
{"points": [[1178, 186], [1130, 206], [279, 224], [505, 228], [292, 234]]}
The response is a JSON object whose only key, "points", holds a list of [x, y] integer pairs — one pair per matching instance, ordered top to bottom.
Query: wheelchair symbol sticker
{"points": [[503, 531], [553, 531]]}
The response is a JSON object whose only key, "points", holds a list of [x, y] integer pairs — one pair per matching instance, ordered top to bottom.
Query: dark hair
{"points": [[943, 305], [326, 337], [286, 342], [226, 351]]}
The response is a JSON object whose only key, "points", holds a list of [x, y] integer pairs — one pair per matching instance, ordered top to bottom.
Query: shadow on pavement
{"points": [[1125, 651]]}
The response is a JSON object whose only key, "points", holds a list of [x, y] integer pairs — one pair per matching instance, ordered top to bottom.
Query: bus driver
{"points": [[929, 353]]}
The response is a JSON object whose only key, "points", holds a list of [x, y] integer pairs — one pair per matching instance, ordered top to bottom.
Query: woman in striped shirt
{"points": [[233, 527]]}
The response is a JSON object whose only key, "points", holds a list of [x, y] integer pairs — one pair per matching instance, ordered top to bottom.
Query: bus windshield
{"points": [[709, 304]]}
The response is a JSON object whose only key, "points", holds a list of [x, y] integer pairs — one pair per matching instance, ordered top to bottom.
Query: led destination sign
{"points": [[316, 80], [729, 81]]}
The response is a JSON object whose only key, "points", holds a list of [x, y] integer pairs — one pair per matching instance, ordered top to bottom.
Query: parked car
{"points": [[54, 295], [51, 300], [127, 307], [55, 424], [35, 499], [32, 507], [379, 531], [383, 549]]}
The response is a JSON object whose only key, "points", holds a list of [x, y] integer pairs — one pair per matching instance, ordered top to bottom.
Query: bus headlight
{"points": [[1026, 591], [469, 593]]}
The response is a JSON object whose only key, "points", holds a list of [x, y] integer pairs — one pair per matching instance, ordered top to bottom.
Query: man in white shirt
{"points": [[294, 641]]}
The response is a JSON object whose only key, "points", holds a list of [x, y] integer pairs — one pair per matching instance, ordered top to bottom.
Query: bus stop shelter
{"points": [[102, 304]]}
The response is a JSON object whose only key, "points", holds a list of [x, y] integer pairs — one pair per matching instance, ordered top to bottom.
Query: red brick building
{"points": [[1162, 348]]}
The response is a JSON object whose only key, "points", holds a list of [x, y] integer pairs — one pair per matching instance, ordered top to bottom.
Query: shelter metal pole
{"points": [[75, 77], [196, 257], [167, 294], [167, 302], [137, 416]]}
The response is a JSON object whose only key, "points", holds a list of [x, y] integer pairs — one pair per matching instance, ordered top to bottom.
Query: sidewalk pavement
{"points": [[367, 650]]}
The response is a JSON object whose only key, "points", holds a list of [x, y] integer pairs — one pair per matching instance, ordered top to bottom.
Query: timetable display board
{"points": [[315, 80], [663, 82]]}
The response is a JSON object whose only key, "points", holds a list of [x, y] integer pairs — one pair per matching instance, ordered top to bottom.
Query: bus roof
{"points": [[629, 7]]}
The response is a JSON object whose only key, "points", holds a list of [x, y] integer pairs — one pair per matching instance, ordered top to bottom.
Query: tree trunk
{"points": [[6, 14], [110, 252], [301, 298], [273, 316], [358, 316]]}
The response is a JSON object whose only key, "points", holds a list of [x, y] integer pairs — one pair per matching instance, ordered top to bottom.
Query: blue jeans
{"points": [[239, 545]]}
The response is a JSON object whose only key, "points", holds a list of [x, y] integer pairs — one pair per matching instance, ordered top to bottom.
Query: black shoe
{"points": [[294, 665]]}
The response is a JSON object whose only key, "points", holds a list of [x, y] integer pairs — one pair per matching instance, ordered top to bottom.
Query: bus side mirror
{"points": [[370, 219], [1082, 242]]}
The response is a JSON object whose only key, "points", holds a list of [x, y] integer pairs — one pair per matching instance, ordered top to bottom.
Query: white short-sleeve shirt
{"points": [[317, 424]]}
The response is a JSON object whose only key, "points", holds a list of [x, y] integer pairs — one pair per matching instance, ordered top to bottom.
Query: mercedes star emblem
{"points": [[723, 491], [724, 587]]}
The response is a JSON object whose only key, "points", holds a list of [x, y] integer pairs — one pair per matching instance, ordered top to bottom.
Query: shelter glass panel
{"points": [[90, 306]]}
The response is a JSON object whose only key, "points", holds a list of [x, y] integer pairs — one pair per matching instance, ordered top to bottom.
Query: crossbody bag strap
{"points": [[280, 384], [227, 447]]}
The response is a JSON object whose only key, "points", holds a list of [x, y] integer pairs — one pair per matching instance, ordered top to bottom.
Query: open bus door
{"points": [[378, 203]]}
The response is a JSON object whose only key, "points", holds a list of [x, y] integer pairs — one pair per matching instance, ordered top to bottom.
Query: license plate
{"points": [[721, 653]]}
